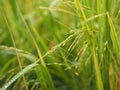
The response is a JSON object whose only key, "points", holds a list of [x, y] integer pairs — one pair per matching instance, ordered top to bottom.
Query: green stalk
{"points": [[91, 40], [106, 59]]}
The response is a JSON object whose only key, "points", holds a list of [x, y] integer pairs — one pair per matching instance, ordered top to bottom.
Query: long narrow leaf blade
{"points": [[18, 75]]}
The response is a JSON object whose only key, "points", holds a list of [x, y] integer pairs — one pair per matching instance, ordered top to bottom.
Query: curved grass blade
{"points": [[113, 35], [13, 50], [23, 71]]}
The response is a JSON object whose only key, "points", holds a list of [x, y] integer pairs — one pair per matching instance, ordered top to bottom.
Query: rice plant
{"points": [[59, 45]]}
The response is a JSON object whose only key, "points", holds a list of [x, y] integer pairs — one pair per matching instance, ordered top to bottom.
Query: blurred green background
{"points": [[74, 42]]}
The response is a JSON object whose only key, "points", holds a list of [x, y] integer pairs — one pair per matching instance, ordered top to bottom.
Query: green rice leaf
{"points": [[23, 71]]}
